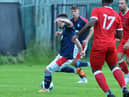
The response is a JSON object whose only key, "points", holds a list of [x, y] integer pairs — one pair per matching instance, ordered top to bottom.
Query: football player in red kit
{"points": [[106, 22], [124, 43]]}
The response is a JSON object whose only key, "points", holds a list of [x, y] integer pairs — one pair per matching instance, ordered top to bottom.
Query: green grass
{"points": [[24, 81]]}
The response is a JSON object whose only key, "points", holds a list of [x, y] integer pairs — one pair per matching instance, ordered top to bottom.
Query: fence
{"points": [[38, 17]]}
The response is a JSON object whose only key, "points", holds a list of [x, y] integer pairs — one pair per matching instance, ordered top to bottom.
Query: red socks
{"points": [[123, 66], [119, 77], [100, 78]]}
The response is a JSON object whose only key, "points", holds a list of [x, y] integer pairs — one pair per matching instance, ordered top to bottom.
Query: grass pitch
{"points": [[23, 80]]}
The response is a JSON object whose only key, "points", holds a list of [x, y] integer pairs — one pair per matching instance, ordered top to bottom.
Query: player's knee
{"points": [[119, 57], [120, 60], [127, 60], [112, 67], [52, 68], [115, 68], [47, 71], [96, 72]]}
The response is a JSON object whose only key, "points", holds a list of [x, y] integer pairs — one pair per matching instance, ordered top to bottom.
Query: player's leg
{"points": [[120, 54], [111, 58], [97, 59], [127, 60], [76, 62], [122, 63], [53, 66], [68, 69], [79, 71], [48, 74], [82, 75], [118, 75], [101, 80]]}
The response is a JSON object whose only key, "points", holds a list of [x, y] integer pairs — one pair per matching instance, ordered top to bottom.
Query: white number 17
{"points": [[105, 20]]}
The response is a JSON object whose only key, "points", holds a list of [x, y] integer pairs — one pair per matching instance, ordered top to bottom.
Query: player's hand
{"points": [[57, 20], [58, 33], [74, 37], [117, 40], [85, 42], [126, 46], [82, 53]]}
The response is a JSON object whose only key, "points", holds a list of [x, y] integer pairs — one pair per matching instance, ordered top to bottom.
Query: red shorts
{"points": [[121, 49], [99, 56], [61, 61]]}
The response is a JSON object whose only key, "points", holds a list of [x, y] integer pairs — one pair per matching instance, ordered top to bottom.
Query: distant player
{"points": [[79, 22], [106, 22], [124, 44], [66, 51]]}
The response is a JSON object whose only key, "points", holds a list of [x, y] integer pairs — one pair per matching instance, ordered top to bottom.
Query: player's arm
{"points": [[93, 20], [67, 22], [87, 26], [119, 29], [58, 33], [118, 33], [89, 36], [76, 41], [126, 45]]}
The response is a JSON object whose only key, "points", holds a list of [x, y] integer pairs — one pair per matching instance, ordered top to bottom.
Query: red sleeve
{"points": [[94, 13], [84, 19], [119, 24]]}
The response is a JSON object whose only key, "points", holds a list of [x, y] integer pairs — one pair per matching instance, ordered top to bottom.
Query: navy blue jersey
{"points": [[79, 24], [67, 46]]}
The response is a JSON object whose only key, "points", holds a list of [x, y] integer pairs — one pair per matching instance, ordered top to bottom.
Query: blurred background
{"points": [[29, 24]]}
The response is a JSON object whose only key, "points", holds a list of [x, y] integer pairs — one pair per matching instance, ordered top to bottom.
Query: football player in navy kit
{"points": [[79, 22], [65, 55]]}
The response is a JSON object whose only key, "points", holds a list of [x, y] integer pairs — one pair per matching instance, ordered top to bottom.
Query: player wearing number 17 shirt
{"points": [[106, 22]]}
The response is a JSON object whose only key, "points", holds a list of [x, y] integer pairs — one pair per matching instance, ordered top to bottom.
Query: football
{"points": [[50, 87]]}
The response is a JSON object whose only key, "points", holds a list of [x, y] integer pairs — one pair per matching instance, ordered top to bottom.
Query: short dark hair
{"points": [[107, 1], [74, 7], [63, 15]]}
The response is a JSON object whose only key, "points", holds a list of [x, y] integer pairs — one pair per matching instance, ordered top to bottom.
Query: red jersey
{"points": [[108, 21], [125, 22]]}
